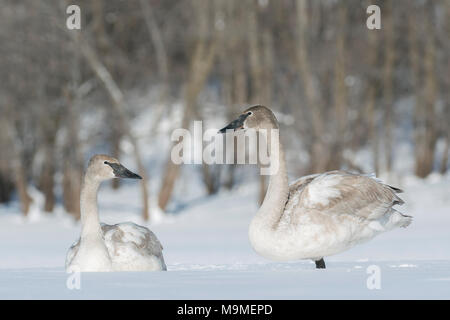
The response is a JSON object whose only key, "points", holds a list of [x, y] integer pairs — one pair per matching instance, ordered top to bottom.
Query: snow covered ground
{"points": [[209, 255]]}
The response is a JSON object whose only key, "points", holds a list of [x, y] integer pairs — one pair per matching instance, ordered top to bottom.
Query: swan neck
{"points": [[277, 192], [88, 206]]}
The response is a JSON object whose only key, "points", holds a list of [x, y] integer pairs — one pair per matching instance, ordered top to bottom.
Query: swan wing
{"points": [[299, 184], [339, 192], [132, 236], [133, 247]]}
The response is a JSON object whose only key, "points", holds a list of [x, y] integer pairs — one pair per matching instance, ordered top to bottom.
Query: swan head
{"points": [[256, 117], [102, 167]]}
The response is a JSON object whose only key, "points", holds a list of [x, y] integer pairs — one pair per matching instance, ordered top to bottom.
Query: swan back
{"points": [[340, 192]]}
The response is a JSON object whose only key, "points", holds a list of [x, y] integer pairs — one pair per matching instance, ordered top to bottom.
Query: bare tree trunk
{"points": [[158, 43], [161, 58], [414, 58], [389, 59], [200, 66], [256, 68], [240, 82], [193, 89], [340, 90], [446, 95], [370, 102], [425, 120], [49, 129], [430, 136], [318, 153], [73, 159], [444, 160], [18, 170], [211, 178], [6, 182], [47, 182], [6, 187], [21, 187], [71, 190]]}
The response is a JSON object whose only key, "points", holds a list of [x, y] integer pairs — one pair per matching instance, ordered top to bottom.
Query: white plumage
{"points": [[329, 213], [318, 215], [101, 247], [130, 248]]}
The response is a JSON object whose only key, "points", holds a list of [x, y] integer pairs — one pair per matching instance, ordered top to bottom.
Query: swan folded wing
{"points": [[300, 183], [338, 192], [133, 236]]}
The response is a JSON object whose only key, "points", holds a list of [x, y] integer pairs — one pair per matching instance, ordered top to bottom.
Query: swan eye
{"points": [[249, 113], [106, 162]]}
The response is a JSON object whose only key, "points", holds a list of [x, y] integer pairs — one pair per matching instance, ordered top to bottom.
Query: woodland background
{"points": [[339, 89]]}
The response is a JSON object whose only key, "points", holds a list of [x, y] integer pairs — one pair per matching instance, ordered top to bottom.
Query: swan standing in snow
{"points": [[318, 215], [101, 247]]}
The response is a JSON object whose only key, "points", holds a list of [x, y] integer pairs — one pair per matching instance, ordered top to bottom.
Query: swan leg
{"points": [[320, 264]]}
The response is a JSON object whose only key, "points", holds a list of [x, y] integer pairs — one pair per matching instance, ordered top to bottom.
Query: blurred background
{"points": [[346, 97]]}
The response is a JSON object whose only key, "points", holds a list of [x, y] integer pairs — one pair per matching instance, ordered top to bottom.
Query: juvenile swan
{"points": [[318, 215], [101, 247]]}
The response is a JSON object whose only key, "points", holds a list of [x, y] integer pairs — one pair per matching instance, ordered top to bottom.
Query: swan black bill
{"points": [[235, 124], [121, 172]]}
